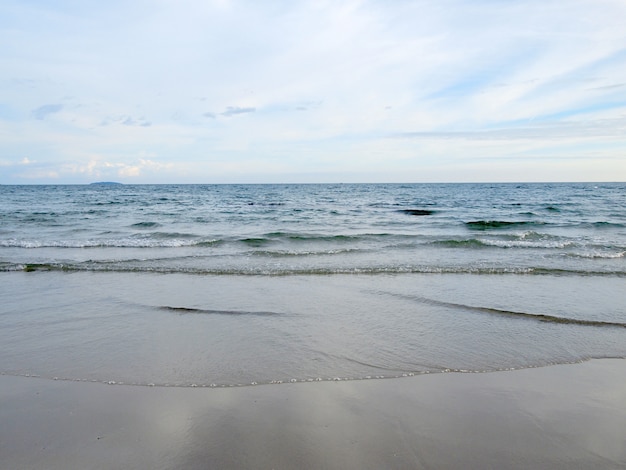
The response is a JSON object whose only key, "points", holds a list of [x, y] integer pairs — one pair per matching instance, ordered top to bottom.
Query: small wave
{"points": [[172, 235], [294, 237], [307, 238], [336, 238], [177, 239], [157, 240], [525, 240], [207, 243], [469, 243], [521, 243], [307, 253], [599, 255], [124, 267], [191, 310]]}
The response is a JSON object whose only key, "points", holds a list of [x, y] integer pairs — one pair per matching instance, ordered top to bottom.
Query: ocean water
{"points": [[224, 285]]}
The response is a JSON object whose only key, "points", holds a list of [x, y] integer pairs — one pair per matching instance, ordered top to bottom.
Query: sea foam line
{"points": [[98, 266], [223, 385]]}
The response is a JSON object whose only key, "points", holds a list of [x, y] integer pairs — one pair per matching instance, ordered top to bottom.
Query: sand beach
{"points": [[564, 416]]}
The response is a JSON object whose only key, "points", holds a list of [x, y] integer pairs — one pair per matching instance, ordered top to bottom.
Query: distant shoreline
{"points": [[448, 183]]}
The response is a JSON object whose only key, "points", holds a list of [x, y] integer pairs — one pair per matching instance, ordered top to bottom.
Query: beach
{"points": [[313, 235], [313, 326], [563, 416]]}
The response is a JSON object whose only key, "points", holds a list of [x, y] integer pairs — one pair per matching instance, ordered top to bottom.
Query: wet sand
{"points": [[567, 416]]}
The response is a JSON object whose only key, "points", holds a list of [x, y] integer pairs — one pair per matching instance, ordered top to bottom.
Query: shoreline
{"points": [[285, 381], [560, 416]]}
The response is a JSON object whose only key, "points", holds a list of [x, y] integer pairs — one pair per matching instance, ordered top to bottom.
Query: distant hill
{"points": [[104, 183]]}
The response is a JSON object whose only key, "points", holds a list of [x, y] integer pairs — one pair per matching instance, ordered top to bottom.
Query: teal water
{"points": [[238, 284]]}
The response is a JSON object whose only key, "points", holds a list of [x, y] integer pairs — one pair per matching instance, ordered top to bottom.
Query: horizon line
{"points": [[118, 183]]}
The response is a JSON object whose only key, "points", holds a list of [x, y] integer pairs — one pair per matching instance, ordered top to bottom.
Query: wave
{"points": [[170, 235], [273, 237], [304, 237], [165, 239], [182, 239], [528, 239], [154, 240], [175, 240], [468, 243], [522, 243], [303, 254], [599, 255], [248, 270]]}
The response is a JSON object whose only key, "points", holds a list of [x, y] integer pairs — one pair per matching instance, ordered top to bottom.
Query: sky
{"points": [[219, 91]]}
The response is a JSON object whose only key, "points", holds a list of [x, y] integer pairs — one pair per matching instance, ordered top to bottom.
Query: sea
{"points": [[240, 285]]}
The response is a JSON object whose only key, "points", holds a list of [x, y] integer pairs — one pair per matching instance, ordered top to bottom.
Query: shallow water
{"points": [[226, 285], [180, 329]]}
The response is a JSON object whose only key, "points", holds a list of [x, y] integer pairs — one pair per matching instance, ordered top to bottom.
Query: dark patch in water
{"points": [[417, 211], [491, 224], [602, 224], [146, 225], [172, 235], [328, 238], [256, 242], [209, 243], [31, 267], [187, 310], [528, 316], [546, 318]]}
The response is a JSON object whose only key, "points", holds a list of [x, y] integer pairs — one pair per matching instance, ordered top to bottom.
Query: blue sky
{"points": [[225, 91]]}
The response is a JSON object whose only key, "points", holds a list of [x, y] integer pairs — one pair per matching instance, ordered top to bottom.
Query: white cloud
{"points": [[307, 87], [234, 110], [43, 111], [97, 167]]}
